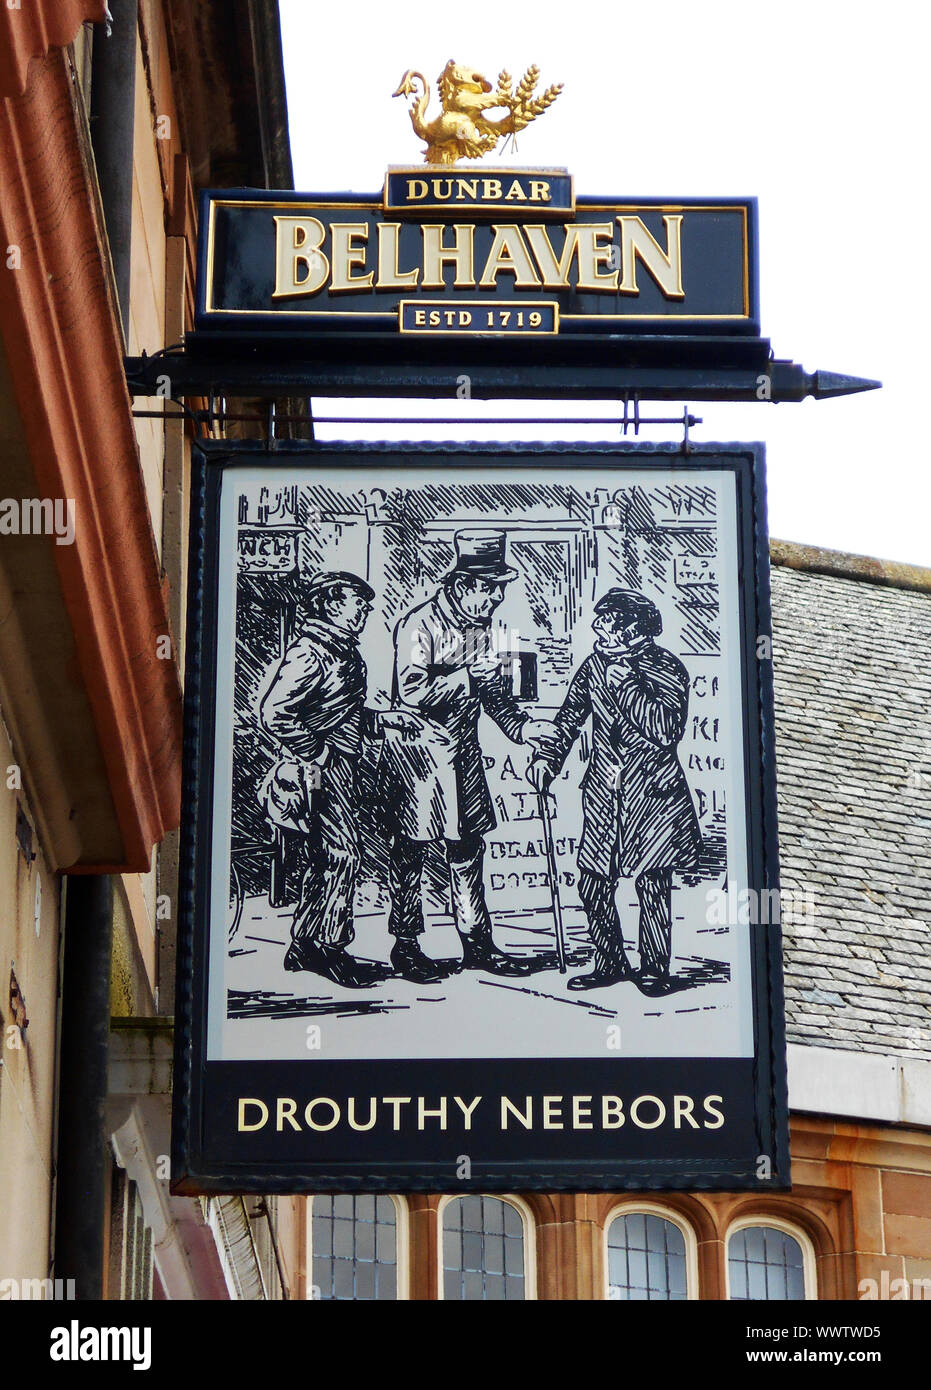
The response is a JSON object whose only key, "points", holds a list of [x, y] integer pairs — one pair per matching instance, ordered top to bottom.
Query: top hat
{"points": [[481, 553], [634, 606]]}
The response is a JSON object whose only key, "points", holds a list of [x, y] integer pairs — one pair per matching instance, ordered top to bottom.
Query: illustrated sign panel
{"points": [[478, 253], [479, 788]]}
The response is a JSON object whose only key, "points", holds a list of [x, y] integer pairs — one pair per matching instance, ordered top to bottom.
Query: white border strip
{"points": [[862, 1085]]}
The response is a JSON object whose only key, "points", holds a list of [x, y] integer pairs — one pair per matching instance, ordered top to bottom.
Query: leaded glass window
{"points": [[354, 1241], [483, 1249], [646, 1258], [765, 1263]]}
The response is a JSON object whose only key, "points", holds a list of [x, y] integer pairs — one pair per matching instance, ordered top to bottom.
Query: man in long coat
{"points": [[315, 709], [432, 787], [638, 816]]}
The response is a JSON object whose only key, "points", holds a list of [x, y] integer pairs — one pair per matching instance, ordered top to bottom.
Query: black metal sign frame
{"points": [[750, 1151]]}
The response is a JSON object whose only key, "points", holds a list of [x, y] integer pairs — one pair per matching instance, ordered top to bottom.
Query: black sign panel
{"points": [[342, 264], [481, 888]]}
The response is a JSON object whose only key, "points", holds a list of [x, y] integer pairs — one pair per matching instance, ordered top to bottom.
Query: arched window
{"points": [[354, 1247], [485, 1252], [650, 1255], [769, 1259]]}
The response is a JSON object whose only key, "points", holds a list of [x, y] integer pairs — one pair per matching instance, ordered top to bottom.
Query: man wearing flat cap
{"points": [[315, 708], [434, 790], [638, 817]]}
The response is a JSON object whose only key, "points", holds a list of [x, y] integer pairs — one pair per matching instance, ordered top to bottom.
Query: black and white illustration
{"points": [[479, 764]]}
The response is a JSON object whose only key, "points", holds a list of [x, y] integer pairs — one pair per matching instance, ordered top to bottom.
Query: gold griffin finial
{"points": [[462, 130]]}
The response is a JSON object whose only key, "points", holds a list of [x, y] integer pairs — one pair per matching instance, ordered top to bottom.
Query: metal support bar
{"points": [[270, 375], [228, 417]]}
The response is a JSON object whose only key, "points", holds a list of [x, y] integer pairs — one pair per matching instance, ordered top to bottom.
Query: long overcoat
{"points": [[432, 785], [636, 805]]}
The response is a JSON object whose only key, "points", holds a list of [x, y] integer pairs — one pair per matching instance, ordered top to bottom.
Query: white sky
{"points": [[819, 109]]}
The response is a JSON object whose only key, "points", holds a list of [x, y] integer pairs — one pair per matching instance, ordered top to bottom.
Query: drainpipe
{"points": [[113, 98], [83, 1160]]}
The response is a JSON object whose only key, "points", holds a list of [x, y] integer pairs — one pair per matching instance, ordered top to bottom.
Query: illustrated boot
{"points": [[481, 953], [334, 963], [410, 963], [604, 972], [653, 980]]}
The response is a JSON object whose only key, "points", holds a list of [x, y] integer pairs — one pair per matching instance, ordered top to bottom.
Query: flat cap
{"points": [[325, 580], [633, 605]]}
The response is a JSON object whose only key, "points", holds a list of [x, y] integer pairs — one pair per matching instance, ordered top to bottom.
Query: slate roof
{"points": [[852, 663]]}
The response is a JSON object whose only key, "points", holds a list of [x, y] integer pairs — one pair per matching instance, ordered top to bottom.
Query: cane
{"points": [[554, 886]]}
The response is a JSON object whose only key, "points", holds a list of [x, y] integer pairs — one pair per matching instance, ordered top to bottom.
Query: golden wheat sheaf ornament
{"points": [[462, 130]]}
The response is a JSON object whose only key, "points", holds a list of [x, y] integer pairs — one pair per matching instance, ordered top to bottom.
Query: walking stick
{"points": [[554, 885]]}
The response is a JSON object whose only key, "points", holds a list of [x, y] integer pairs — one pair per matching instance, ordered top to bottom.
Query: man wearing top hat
{"points": [[315, 708], [433, 788], [638, 816]]}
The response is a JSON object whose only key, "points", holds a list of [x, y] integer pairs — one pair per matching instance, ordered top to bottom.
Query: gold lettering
{"points": [[420, 185], [468, 188], [491, 190], [539, 191], [515, 193], [582, 242], [297, 249], [436, 253], [509, 253], [346, 254], [591, 256], [664, 266], [555, 273], [389, 276], [396, 1102], [260, 1105], [311, 1106], [508, 1106], [467, 1109], [712, 1109], [682, 1110], [285, 1111], [552, 1112], [581, 1112], [612, 1112], [351, 1114], [423, 1114], [647, 1124]]}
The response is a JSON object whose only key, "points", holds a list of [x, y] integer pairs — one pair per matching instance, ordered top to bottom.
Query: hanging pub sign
{"points": [[482, 888]]}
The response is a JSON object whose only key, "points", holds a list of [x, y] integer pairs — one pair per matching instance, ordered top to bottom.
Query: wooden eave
{"points": [[64, 357]]}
